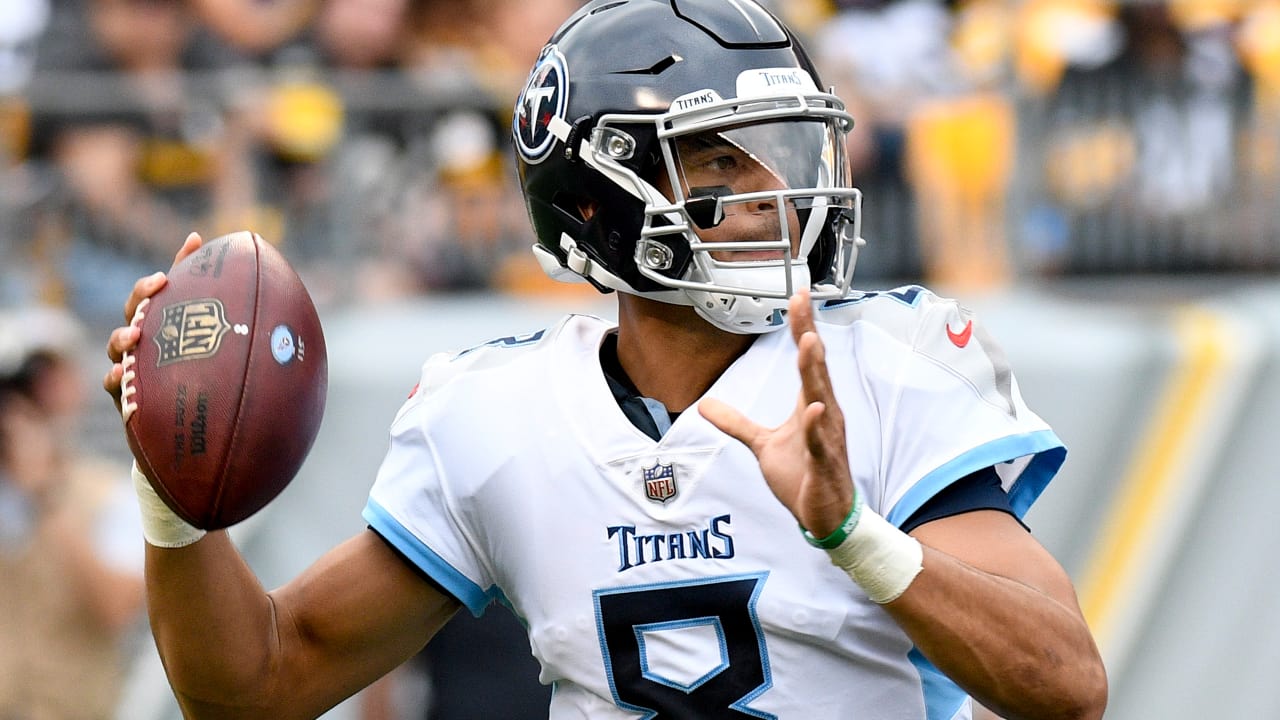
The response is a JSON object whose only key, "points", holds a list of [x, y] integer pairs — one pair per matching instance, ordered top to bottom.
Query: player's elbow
{"points": [[1080, 682], [1090, 686], [1075, 691], [1091, 692], [1082, 697]]}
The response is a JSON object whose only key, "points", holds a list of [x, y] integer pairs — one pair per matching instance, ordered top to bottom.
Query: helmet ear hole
{"points": [[574, 209]]}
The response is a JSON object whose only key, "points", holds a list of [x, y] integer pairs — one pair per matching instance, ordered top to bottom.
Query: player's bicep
{"points": [[996, 543], [356, 614]]}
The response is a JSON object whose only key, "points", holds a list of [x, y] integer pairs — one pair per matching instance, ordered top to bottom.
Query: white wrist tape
{"points": [[160, 525], [882, 559]]}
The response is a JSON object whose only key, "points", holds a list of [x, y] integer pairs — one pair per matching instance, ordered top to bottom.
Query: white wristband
{"points": [[161, 526], [882, 559]]}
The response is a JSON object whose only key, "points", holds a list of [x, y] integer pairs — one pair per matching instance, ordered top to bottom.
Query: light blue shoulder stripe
{"points": [[1044, 445], [471, 595], [942, 697]]}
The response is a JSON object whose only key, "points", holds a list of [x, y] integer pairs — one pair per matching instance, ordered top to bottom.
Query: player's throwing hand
{"points": [[125, 338]]}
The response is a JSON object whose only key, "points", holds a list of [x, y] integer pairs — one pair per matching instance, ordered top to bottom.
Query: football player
{"points": [[760, 493]]}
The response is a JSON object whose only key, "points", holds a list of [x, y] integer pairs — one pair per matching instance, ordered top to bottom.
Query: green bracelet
{"points": [[838, 535]]}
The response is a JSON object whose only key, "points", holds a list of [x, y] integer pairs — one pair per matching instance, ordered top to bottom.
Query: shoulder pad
{"points": [[897, 311], [938, 328], [444, 367]]}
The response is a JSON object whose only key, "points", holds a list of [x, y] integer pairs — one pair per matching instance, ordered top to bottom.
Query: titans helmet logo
{"points": [[545, 96]]}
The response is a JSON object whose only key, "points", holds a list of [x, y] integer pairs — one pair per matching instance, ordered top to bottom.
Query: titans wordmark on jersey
{"points": [[662, 579]]}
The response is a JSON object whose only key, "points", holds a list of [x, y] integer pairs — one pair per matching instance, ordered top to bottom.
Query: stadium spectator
{"points": [[22, 22], [256, 28], [362, 34], [486, 42], [485, 46], [887, 58], [357, 141], [937, 142], [337, 144], [1142, 147], [141, 150], [441, 154], [22, 276], [70, 565]]}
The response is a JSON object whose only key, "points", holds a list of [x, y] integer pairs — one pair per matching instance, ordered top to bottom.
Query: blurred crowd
{"points": [[365, 137], [368, 138], [996, 140], [71, 591]]}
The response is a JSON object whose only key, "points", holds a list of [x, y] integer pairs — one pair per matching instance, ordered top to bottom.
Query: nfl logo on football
{"points": [[660, 483]]}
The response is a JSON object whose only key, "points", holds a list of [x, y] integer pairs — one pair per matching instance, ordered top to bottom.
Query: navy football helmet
{"points": [[685, 150]]}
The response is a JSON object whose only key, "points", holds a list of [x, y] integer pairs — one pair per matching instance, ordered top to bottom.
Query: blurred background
{"points": [[1099, 179]]}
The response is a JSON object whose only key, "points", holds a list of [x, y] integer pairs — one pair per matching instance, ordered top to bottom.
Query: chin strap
{"points": [[577, 259], [550, 265], [579, 267]]}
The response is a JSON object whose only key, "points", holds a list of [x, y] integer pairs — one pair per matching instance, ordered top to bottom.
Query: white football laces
{"points": [[127, 389]]}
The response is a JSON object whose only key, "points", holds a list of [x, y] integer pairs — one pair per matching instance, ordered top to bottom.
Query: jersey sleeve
{"points": [[954, 409], [426, 499], [414, 508]]}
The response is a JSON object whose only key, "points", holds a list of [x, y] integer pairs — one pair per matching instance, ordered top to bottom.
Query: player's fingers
{"points": [[190, 245], [144, 288], [800, 314], [122, 340], [812, 356], [811, 359], [111, 382], [822, 419], [731, 422], [820, 436], [828, 461], [828, 495]]}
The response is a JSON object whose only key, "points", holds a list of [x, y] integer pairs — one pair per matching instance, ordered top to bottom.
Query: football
{"points": [[223, 396]]}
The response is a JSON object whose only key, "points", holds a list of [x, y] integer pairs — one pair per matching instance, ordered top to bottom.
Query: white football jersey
{"points": [[663, 579]]}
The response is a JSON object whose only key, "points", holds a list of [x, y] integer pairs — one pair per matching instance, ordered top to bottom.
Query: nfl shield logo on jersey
{"points": [[660, 483]]}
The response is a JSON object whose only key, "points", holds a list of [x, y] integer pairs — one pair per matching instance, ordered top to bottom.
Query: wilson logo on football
{"points": [[191, 330]]}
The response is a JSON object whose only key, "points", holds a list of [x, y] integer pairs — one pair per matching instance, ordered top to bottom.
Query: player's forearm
{"points": [[213, 623], [1013, 648]]}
